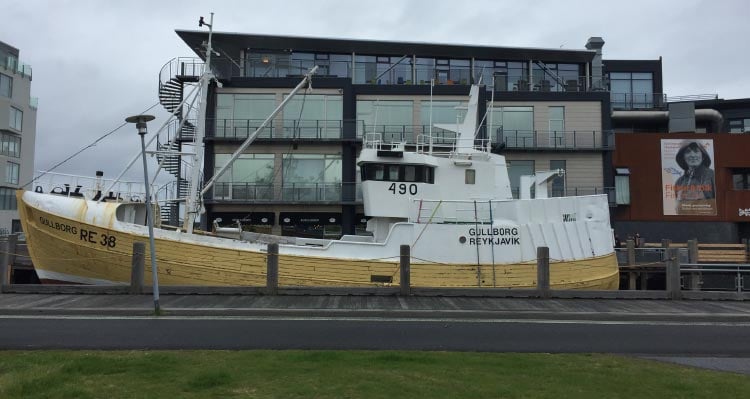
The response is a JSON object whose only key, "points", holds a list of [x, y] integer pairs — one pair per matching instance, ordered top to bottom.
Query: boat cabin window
{"points": [[398, 173], [471, 176]]}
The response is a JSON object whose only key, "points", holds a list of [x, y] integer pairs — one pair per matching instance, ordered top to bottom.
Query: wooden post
{"points": [[630, 245], [12, 249], [4, 256], [137, 265], [405, 268], [272, 269], [542, 271], [695, 277], [674, 291]]}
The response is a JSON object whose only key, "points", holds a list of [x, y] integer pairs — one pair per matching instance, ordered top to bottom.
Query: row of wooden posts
{"points": [[272, 270]]}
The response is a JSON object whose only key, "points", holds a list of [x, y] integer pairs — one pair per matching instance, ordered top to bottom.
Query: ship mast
{"points": [[192, 202]]}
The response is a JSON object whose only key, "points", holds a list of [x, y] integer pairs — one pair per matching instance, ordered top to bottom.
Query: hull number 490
{"points": [[403, 188]]}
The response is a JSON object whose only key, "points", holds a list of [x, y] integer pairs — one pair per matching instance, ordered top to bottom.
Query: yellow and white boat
{"points": [[454, 208]]}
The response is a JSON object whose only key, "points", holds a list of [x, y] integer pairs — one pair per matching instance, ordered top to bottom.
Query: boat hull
{"points": [[73, 250]]}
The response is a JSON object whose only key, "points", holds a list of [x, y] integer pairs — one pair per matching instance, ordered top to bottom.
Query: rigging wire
{"points": [[94, 143]]}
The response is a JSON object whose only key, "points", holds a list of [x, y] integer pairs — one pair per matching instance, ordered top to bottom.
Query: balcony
{"points": [[11, 64], [405, 73], [636, 101], [240, 129], [545, 140], [287, 193]]}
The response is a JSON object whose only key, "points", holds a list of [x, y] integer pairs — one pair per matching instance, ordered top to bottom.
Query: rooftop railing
{"points": [[403, 73]]}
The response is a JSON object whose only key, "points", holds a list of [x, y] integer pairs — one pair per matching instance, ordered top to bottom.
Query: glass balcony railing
{"points": [[11, 64], [630, 101], [34, 102], [240, 129], [556, 140], [243, 191], [288, 192]]}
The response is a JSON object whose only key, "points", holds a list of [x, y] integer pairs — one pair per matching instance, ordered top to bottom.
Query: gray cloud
{"points": [[97, 62]]}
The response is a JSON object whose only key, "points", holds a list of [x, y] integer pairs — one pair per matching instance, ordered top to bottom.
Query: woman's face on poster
{"points": [[693, 158]]}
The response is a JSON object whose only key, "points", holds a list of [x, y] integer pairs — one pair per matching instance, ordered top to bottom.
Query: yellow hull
{"points": [[62, 246]]}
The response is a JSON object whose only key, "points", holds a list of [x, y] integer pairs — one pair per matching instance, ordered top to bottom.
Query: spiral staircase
{"points": [[173, 77]]}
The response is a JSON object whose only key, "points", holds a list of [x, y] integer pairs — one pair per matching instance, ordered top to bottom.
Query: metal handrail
{"points": [[555, 139]]}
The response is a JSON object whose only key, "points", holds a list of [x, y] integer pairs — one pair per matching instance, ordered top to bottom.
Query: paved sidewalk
{"points": [[377, 306]]}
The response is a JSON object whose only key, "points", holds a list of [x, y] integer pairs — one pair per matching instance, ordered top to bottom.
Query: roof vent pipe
{"points": [[597, 74]]}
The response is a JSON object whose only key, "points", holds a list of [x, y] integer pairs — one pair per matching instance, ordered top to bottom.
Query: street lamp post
{"points": [[140, 124]]}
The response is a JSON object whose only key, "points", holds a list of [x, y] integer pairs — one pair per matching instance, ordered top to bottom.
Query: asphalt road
{"points": [[281, 332]]}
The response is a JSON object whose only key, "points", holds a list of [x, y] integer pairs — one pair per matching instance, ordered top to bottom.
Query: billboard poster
{"points": [[687, 175]]}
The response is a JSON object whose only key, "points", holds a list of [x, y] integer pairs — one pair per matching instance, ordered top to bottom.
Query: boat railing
{"points": [[89, 187], [453, 211]]}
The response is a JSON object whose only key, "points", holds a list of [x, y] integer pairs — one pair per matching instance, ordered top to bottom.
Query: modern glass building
{"points": [[543, 108], [17, 133]]}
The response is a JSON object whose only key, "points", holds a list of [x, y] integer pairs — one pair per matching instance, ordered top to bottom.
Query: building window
{"points": [[271, 64], [6, 86], [632, 90], [239, 115], [314, 116], [16, 119], [393, 120], [739, 125], [513, 126], [557, 126], [10, 145], [516, 169], [11, 172], [470, 176], [311, 177], [249, 178], [741, 179], [558, 182], [622, 186], [8, 199]]}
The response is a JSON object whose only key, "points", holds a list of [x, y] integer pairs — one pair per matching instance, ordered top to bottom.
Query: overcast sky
{"points": [[97, 62]]}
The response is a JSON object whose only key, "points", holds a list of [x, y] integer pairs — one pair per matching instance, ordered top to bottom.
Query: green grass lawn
{"points": [[351, 374]]}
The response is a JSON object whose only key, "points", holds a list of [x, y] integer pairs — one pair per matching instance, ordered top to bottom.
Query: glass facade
{"points": [[556, 77], [6, 86], [632, 90], [238, 115], [314, 116], [392, 119], [513, 126], [10, 145], [311, 177], [249, 178]]}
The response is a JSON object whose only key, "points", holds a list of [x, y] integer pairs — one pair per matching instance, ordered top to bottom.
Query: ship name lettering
{"points": [[65, 228], [494, 231], [495, 241]]}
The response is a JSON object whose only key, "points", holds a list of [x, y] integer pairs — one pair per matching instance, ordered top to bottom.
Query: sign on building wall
{"points": [[687, 175]]}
